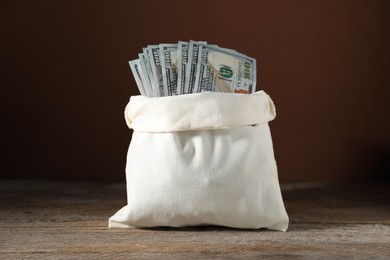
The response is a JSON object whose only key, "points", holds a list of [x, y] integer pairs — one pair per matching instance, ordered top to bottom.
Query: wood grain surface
{"points": [[68, 220]]}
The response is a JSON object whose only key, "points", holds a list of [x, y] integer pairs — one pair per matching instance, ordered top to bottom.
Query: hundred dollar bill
{"points": [[145, 52], [168, 58], [182, 58], [193, 61], [155, 64], [148, 67], [136, 70], [223, 70], [147, 81]]}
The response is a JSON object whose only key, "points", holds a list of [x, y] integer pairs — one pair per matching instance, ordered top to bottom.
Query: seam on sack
{"points": [[199, 129]]}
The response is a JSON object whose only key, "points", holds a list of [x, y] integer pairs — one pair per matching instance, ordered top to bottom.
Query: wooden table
{"points": [[51, 220]]}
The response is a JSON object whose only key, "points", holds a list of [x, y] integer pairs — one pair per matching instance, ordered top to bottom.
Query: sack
{"points": [[201, 159]]}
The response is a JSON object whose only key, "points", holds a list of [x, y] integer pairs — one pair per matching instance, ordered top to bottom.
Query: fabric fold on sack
{"points": [[200, 111]]}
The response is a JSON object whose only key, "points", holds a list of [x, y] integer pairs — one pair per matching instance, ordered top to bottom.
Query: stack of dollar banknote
{"points": [[192, 67]]}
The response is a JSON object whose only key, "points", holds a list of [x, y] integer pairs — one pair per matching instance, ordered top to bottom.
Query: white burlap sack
{"points": [[203, 158]]}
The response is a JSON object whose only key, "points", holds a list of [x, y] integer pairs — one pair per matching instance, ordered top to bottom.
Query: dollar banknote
{"points": [[183, 48], [154, 59], [193, 61], [169, 64], [192, 67], [136, 70], [223, 70], [149, 71], [146, 77]]}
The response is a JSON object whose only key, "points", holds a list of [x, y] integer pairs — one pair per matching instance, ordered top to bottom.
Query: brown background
{"points": [[65, 80]]}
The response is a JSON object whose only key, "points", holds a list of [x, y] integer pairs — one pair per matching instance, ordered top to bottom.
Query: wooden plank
{"points": [[54, 220]]}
